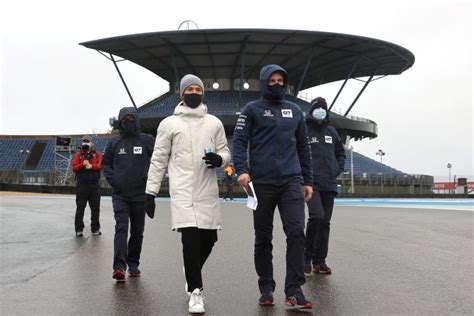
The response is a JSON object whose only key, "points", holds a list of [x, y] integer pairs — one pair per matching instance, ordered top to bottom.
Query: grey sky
{"points": [[51, 85]]}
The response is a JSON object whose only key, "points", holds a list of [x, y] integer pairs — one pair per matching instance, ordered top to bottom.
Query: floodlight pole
{"points": [[123, 81], [380, 153]]}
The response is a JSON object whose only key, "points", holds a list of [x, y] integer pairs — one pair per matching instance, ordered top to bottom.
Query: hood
{"points": [[265, 73], [315, 105], [182, 109], [126, 111]]}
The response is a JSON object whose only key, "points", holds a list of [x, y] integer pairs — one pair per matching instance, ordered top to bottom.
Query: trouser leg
{"points": [[82, 194], [229, 194], [94, 203], [291, 207], [316, 212], [121, 214], [324, 223], [137, 227], [263, 227], [208, 239], [191, 240]]}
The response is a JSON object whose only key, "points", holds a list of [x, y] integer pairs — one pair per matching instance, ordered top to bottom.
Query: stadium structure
{"points": [[229, 61]]}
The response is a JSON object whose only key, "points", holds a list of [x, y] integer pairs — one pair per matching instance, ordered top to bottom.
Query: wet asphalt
{"points": [[385, 261]]}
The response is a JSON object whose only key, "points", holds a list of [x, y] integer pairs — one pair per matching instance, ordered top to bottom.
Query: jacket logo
{"points": [[267, 113], [286, 113], [314, 139], [328, 139], [137, 150], [122, 151]]}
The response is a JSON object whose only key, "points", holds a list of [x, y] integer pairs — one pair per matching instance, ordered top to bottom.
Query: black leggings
{"points": [[197, 246]]}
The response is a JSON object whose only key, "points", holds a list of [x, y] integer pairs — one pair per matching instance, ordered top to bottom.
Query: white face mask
{"points": [[319, 114]]}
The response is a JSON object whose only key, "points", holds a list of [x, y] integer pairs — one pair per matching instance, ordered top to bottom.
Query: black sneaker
{"points": [[96, 232], [79, 234], [307, 266], [322, 268], [266, 299], [298, 301]]}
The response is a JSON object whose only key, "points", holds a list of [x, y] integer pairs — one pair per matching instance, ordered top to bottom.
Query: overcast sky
{"points": [[51, 85]]}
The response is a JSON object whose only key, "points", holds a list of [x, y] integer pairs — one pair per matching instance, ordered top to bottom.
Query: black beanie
{"points": [[319, 102]]}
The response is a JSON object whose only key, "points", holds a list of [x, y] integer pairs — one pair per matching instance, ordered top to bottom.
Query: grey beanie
{"points": [[188, 80]]}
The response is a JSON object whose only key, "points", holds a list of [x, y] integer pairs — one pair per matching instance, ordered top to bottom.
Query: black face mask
{"points": [[276, 91], [192, 100], [129, 127], [85, 147]]}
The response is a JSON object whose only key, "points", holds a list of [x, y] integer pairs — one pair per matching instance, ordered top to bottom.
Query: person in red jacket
{"points": [[87, 164]]}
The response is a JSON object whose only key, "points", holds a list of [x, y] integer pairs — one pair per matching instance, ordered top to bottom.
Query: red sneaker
{"points": [[321, 268], [134, 274], [119, 275], [266, 299], [298, 301]]}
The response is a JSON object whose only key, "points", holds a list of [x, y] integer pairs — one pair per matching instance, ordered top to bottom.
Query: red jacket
{"points": [[95, 159]]}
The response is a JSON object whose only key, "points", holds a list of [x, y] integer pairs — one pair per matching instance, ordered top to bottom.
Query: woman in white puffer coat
{"points": [[181, 142]]}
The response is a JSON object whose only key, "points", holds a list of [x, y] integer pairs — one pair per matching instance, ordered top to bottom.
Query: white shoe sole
{"points": [[196, 310]]}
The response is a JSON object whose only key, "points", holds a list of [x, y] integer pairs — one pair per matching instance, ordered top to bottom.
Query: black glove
{"points": [[212, 160], [150, 205]]}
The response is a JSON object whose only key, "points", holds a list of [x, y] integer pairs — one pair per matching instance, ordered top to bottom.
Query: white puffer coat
{"points": [[180, 143]]}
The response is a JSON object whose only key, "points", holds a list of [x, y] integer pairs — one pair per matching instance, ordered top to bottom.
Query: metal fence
{"points": [[415, 184]]}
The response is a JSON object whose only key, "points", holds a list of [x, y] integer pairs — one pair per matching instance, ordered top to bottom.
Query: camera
{"points": [[86, 155]]}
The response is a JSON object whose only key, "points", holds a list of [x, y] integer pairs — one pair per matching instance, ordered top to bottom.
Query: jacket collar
{"points": [[183, 110]]}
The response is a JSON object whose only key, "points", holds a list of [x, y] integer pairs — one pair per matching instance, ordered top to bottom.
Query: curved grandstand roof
{"points": [[221, 53]]}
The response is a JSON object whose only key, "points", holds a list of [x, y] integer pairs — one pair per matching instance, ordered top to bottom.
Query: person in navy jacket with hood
{"points": [[328, 162], [125, 164], [279, 166]]}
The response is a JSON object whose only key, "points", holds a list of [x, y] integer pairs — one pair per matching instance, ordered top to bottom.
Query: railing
{"points": [[373, 184]]}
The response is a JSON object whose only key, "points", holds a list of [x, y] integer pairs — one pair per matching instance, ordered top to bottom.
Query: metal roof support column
{"points": [[175, 69], [242, 69], [303, 75], [123, 81], [342, 87], [360, 92]]}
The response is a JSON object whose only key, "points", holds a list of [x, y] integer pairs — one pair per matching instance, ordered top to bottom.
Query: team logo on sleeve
{"points": [[286, 113], [241, 122], [328, 139], [137, 150], [122, 151]]}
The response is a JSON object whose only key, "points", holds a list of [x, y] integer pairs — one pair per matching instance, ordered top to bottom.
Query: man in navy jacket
{"points": [[328, 162], [125, 164], [279, 166]]}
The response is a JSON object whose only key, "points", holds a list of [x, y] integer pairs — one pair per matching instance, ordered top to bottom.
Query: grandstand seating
{"points": [[218, 103], [14, 152], [13, 160], [363, 164]]}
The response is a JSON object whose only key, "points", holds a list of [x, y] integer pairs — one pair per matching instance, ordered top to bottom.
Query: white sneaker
{"points": [[196, 302]]}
